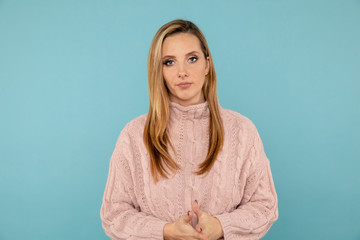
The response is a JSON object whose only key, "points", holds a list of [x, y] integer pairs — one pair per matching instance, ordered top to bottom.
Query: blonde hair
{"points": [[155, 133]]}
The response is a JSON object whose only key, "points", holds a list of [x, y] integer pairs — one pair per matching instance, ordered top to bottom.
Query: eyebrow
{"points": [[188, 54]]}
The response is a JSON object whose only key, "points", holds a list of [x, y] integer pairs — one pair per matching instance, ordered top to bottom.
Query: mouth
{"points": [[184, 84]]}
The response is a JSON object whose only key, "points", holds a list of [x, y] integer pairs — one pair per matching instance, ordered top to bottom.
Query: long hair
{"points": [[156, 138]]}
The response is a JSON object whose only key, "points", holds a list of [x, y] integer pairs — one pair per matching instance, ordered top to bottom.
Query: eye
{"points": [[193, 59], [169, 62]]}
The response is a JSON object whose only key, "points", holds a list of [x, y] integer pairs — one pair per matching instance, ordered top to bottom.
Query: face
{"points": [[184, 68]]}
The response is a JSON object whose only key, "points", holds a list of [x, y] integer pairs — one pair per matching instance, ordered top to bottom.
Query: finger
{"points": [[196, 209], [188, 217], [198, 228], [200, 236], [203, 236]]}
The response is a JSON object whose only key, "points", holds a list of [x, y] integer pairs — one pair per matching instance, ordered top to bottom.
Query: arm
{"points": [[258, 210], [120, 218]]}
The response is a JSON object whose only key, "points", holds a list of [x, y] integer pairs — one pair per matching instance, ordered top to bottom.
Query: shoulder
{"points": [[237, 121], [136, 124], [133, 130], [242, 133]]}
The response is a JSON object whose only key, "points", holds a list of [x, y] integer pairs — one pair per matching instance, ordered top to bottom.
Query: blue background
{"points": [[73, 73]]}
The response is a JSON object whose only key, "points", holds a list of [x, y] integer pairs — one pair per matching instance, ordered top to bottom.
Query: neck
{"points": [[186, 103], [195, 111]]}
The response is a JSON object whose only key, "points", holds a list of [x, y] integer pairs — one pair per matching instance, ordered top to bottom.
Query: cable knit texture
{"points": [[238, 190]]}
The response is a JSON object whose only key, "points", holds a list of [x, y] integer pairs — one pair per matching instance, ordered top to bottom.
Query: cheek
{"points": [[199, 70], [167, 73], [200, 74], [167, 79]]}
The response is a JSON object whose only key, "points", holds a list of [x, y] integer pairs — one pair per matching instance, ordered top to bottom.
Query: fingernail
{"points": [[188, 213]]}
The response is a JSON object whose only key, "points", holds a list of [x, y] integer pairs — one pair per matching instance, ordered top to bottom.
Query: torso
{"points": [[221, 190]]}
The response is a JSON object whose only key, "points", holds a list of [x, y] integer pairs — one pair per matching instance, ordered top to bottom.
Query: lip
{"points": [[184, 84]]}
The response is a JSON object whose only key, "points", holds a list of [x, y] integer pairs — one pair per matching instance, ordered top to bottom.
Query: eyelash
{"points": [[194, 59], [167, 62], [170, 62]]}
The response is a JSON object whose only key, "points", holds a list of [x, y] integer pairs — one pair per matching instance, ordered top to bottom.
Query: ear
{"points": [[207, 67]]}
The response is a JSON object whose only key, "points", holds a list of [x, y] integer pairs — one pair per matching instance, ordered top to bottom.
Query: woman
{"points": [[188, 169]]}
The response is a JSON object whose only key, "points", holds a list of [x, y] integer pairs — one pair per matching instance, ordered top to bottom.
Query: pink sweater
{"points": [[238, 190]]}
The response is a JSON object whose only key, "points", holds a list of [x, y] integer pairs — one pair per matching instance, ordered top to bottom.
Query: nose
{"points": [[182, 72]]}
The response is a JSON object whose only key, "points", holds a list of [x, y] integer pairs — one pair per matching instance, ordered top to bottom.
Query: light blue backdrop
{"points": [[73, 73]]}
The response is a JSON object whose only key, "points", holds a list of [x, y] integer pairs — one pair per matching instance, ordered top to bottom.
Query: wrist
{"points": [[220, 229], [166, 231]]}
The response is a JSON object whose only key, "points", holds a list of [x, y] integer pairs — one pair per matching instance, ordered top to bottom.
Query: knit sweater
{"points": [[238, 190]]}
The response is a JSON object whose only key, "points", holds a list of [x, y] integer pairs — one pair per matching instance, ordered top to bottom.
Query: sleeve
{"points": [[258, 209], [120, 214]]}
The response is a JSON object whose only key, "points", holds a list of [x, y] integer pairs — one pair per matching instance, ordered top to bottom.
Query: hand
{"points": [[207, 224], [181, 229]]}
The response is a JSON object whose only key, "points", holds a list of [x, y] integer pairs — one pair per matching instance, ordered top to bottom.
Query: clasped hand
{"points": [[207, 228]]}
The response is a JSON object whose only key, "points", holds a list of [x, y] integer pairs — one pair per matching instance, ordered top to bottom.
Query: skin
{"points": [[184, 68], [207, 224], [207, 228], [182, 230]]}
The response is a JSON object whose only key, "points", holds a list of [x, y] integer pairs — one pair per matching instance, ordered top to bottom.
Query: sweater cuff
{"points": [[225, 222], [157, 229]]}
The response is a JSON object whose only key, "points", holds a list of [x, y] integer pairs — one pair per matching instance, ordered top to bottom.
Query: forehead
{"points": [[181, 43]]}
